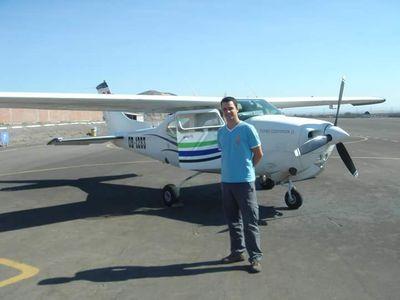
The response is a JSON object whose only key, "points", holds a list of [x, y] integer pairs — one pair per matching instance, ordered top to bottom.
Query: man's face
{"points": [[229, 110]]}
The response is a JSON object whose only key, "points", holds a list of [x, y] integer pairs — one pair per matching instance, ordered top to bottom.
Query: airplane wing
{"points": [[106, 102], [289, 102], [151, 103], [83, 141]]}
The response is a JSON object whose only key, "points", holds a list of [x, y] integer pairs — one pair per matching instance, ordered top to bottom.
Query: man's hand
{"points": [[257, 154]]}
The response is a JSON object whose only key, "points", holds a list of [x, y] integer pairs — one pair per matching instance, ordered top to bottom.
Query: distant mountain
{"points": [[154, 92]]}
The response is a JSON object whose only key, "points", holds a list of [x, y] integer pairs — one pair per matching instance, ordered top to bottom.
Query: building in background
{"points": [[12, 116]]}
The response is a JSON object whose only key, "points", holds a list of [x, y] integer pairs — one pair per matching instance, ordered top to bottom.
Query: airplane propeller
{"points": [[340, 99], [332, 132], [345, 156]]}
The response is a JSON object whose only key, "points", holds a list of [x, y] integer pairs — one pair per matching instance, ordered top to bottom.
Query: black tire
{"points": [[265, 182], [170, 195], [297, 199]]}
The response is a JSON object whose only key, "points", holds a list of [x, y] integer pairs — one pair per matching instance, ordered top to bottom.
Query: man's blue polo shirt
{"points": [[236, 144]]}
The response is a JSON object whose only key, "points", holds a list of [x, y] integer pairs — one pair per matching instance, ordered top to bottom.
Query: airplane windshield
{"points": [[255, 107]]}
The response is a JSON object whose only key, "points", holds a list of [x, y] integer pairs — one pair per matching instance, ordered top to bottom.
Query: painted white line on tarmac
{"points": [[33, 126], [378, 138], [362, 139], [371, 157], [79, 166]]}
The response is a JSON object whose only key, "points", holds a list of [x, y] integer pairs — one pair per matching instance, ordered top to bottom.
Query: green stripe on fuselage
{"points": [[197, 144]]}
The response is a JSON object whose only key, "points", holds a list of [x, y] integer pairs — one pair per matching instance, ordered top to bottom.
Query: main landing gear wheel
{"points": [[265, 182], [170, 194], [295, 200]]}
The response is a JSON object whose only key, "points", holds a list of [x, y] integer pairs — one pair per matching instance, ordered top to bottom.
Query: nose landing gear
{"points": [[293, 198]]}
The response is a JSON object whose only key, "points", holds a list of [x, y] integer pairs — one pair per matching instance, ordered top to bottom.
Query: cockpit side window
{"points": [[199, 121], [171, 129]]}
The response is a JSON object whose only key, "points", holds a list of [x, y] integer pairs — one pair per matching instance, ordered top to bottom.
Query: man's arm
{"points": [[257, 154]]}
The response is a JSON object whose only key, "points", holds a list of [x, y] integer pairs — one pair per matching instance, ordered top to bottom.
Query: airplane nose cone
{"points": [[337, 134]]}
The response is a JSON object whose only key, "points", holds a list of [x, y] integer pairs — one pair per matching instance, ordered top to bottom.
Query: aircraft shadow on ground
{"points": [[202, 203], [123, 273]]}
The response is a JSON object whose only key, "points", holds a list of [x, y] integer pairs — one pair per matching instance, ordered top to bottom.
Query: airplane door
{"points": [[197, 139]]}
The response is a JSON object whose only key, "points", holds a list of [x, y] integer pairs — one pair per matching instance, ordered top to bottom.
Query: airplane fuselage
{"points": [[280, 135]]}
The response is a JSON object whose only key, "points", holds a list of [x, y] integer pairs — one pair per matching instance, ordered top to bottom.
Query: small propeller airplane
{"points": [[294, 148]]}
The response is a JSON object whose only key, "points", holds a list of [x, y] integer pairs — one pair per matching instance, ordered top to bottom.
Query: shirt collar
{"points": [[230, 130]]}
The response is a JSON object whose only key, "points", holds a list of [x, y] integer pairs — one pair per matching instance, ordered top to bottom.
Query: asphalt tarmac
{"points": [[87, 222]]}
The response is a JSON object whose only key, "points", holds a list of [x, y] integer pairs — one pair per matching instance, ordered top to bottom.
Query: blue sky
{"points": [[208, 48]]}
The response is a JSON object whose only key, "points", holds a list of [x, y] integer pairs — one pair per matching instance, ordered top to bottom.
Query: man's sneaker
{"points": [[232, 258], [255, 267]]}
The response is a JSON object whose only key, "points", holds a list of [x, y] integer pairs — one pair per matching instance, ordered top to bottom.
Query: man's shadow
{"points": [[202, 203], [123, 273]]}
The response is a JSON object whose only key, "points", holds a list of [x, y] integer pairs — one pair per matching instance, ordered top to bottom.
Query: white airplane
{"points": [[294, 148]]}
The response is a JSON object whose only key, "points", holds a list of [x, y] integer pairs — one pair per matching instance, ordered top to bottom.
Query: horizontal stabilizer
{"points": [[84, 141]]}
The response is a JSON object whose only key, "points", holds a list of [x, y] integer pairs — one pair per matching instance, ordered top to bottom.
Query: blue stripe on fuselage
{"points": [[198, 152]]}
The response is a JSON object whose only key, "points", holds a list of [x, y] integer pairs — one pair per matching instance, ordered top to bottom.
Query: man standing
{"points": [[241, 151]]}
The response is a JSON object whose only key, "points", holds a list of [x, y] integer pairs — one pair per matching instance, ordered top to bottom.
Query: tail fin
{"points": [[103, 88], [118, 122]]}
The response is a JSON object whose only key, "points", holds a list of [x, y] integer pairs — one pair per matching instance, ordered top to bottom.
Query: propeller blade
{"points": [[340, 99], [312, 145], [341, 149]]}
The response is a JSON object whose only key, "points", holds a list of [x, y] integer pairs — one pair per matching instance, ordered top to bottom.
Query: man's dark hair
{"points": [[229, 99]]}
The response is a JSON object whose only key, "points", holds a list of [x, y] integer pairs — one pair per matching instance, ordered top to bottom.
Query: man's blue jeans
{"points": [[241, 212]]}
